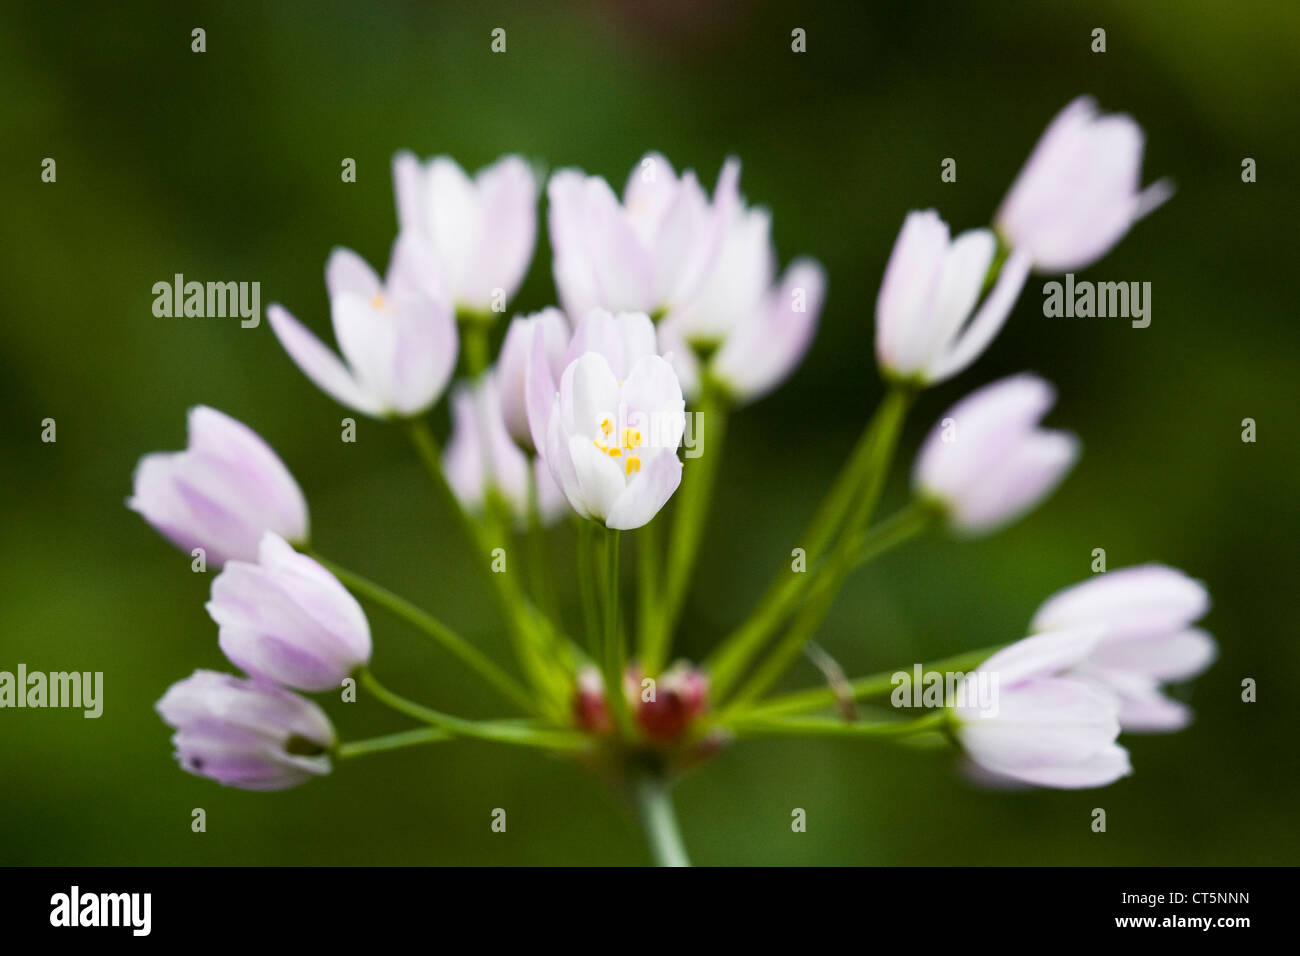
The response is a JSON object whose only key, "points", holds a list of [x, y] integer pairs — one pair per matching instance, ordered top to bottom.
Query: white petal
{"points": [[347, 272], [909, 290], [988, 321], [318, 363], [1026, 475], [600, 477], [647, 492], [1138, 601]]}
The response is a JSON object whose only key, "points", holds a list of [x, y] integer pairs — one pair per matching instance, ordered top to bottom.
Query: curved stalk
{"points": [[861, 479], [690, 516], [462, 649], [861, 688], [499, 731], [397, 741]]}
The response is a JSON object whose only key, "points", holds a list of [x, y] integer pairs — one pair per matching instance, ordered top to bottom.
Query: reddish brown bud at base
{"points": [[663, 709]]}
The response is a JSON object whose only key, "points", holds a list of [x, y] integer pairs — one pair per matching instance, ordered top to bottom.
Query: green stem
{"points": [[474, 335], [860, 480], [690, 517], [852, 551], [587, 586], [543, 587], [648, 591], [516, 609], [462, 649], [615, 656], [862, 688], [750, 727], [506, 732], [405, 738], [655, 807]]}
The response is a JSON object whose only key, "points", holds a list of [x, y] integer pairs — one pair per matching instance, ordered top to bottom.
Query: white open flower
{"points": [[1080, 190], [476, 235], [648, 253], [925, 331], [398, 337], [622, 339], [612, 441], [987, 462], [1149, 640], [1048, 728]]}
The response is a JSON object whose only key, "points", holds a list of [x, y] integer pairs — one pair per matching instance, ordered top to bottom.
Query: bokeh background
{"points": [[225, 166]]}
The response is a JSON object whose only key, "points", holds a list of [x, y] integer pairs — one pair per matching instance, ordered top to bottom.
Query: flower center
{"points": [[622, 446]]}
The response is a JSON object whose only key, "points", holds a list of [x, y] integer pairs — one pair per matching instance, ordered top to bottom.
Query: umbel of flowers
{"points": [[673, 309]]}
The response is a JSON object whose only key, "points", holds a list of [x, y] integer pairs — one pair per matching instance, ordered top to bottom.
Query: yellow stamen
{"points": [[606, 427], [633, 464]]}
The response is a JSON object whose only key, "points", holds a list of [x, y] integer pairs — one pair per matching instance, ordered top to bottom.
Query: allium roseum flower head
{"points": [[1080, 191], [474, 237], [648, 253], [925, 331], [398, 336], [612, 442], [481, 459], [987, 462], [222, 493], [1148, 612], [288, 620], [1048, 728], [246, 733]]}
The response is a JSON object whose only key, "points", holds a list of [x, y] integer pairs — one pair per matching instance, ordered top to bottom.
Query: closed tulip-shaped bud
{"points": [[1080, 191], [476, 236], [648, 253], [930, 323], [550, 330], [398, 336], [612, 441], [482, 461], [987, 462], [222, 493], [1148, 612], [286, 619], [1020, 717], [246, 733]]}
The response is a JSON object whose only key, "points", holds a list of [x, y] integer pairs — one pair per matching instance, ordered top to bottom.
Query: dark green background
{"points": [[225, 166]]}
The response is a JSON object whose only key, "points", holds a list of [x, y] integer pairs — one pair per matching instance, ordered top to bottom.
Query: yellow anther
{"points": [[606, 427], [631, 438], [614, 452], [633, 464]]}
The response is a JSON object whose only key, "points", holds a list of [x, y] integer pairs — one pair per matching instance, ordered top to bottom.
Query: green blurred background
{"points": [[225, 166]]}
